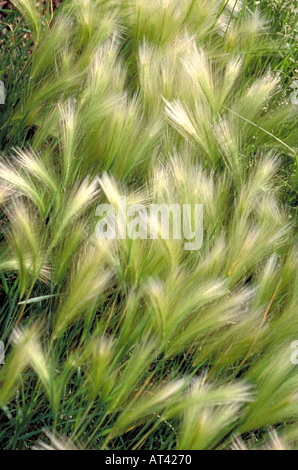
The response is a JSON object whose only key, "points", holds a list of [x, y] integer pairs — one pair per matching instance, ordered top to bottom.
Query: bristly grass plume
{"points": [[139, 343]]}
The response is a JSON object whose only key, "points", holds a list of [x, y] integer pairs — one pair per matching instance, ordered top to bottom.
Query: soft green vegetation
{"points": [[139, 344]]}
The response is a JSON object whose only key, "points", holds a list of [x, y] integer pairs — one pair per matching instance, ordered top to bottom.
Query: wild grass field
{"points": [[138, 343]]}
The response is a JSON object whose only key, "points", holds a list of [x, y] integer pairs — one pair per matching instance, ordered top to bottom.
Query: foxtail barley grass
{"points": [[138, 343]]}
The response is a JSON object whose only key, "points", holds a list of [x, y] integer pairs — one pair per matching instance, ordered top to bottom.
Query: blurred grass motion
{"points": [[139, 344]]}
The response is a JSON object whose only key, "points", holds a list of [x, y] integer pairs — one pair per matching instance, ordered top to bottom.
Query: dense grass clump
{"points": [[139, 343]]}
